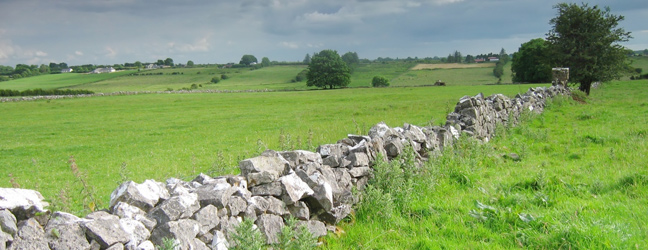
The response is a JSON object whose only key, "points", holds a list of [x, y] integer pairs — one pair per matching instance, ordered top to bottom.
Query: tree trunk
{"points": [[585, 86]]}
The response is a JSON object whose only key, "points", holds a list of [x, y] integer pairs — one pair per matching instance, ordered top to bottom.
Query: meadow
{"points": [[166, 135], [581, 183]]}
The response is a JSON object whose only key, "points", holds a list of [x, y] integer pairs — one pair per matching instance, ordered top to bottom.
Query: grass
{"points": [[452, 76], [59, 81], [165, 135], [581, 183]]}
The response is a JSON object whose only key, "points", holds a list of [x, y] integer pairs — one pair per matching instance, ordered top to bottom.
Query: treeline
{"points": [[504, 58], [43, 92]]}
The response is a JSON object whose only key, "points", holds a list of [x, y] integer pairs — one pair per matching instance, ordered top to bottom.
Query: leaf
{"points": [[91, 206], [485, 207], [477, 215]]}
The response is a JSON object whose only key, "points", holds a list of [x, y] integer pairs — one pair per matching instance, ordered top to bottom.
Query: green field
{"points": [[59, 81], [163, 135], [581, 183]]}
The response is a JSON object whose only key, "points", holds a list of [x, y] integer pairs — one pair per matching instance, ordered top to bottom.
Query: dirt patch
{"points": [[452, 66]]}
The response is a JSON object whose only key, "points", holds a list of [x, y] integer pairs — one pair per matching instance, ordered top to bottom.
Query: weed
{"points": [[124, 173], [13, 181], [90, 200], [247, 237], [293, 237], [168, 244]]}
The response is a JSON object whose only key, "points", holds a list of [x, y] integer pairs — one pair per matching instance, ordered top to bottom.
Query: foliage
{"points": [[586, 40], [248, 59], [307, 59], [352, 60], [168, 62], [265, 62], [531, 62], [190, 63], [328, 69], [301, 76], [224, 77], [215, 79], [380, 81], [42, 92], [247, 237], [293, 237], [168, 244]]}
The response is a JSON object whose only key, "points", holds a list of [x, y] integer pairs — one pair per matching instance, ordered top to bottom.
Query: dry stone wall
{"points": [[314, 187]]}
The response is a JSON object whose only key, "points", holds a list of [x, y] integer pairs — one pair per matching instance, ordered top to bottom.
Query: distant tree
{"points": [[586, 39], [645, 52], [503, 57], [458, 58], [248, 59], [307, 59], [450, 59], [469, 59], [352, 60], [160, 62], [168, 62], [265, 62], [531, 62], [190, 63], [138, 64], [44, 69], [328, 69], [498, 71], [215, 79], [380, 81]]}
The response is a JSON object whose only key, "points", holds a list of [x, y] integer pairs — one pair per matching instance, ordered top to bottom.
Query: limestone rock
{"points": [[299, 157], [265, 168], [294, 188], [267, 189], [217, 194], [145, 195], [23, 203], [259, 204], [237, 205], [177, 207], [124, 210], [299, 210], [336, 214], [207, 217], [8, 222], [270, 225], [317, 228], [105, 229], [136, 230], [64, 231], [184, 231], [30, 235], [219, 242], [146, 245]]}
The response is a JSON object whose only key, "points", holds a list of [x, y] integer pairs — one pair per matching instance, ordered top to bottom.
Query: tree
{"points": [[585, 39], [458, 57], [504, 58], [248, 59], [307, 59], [469, 59], [352, 60], [160, 62], [168, 62], [265, 62], [531, 62], [190, 63], [138, 64], [328, 69], [380, 81]]}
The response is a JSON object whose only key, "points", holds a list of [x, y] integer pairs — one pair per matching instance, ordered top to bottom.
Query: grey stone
{"points": [[379, 130], [393, 147], [337, 150], [299, 157], [358, 159], [265, 168], [359, 172], [203, 179], [237, 181], [294, 188], [269, 189], [217, 194], [144, 196], [322, 197], [23, 203], [259, 204], [236, 206], [276, 206], [177, 207], [124, 210], [299, 210], [335, 215], [207, 217], [8, 222], [270, 225], [317, 228], [105, 229], [64, 231], [137, 231], [184, 231], [30, 236], [219, 242], [117, 246]]}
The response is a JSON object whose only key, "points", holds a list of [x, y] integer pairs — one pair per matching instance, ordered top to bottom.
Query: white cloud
{"points": [[200, 45], [290, 45], [110, 52], [78, 53]]}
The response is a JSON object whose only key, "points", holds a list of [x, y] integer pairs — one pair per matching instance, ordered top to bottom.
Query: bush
{"points": [[224, 76], [301, 76], [215, 79], [380, 81], [579, 96]]}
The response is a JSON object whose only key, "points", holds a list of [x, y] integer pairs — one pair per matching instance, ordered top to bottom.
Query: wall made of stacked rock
{"points": [[314, 187]]}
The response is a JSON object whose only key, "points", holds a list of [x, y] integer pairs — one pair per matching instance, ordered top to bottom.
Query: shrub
{"points": [[224, 76], [301, 76], [215, 79], [380, 81], [579, 96], [246, 236]]}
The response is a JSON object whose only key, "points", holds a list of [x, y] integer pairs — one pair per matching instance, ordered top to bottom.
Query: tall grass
{"points": [[581, 183]]}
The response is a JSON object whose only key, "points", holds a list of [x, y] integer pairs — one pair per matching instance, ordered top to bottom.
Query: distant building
{"points": [[493, 59], [480, 60], [154, 66], [68, 70], [103, 70]]}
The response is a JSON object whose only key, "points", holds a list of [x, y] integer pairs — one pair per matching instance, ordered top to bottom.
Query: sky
{"points": [[214, 31]]}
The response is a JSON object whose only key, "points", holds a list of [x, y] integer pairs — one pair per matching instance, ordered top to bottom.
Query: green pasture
{"points": [[465, 76], [59, 81], [156, 136], [581, 183]]}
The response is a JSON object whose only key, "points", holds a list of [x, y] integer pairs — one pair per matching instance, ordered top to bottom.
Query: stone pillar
{"points": [[560, 76]]}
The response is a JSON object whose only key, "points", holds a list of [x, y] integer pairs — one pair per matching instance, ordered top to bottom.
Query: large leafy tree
{"points": [[586, 39], [248, 59], [531, 62], [328, 69]]}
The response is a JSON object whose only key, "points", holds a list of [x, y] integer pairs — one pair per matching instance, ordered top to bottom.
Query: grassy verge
{"points": [[581, 183]]}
